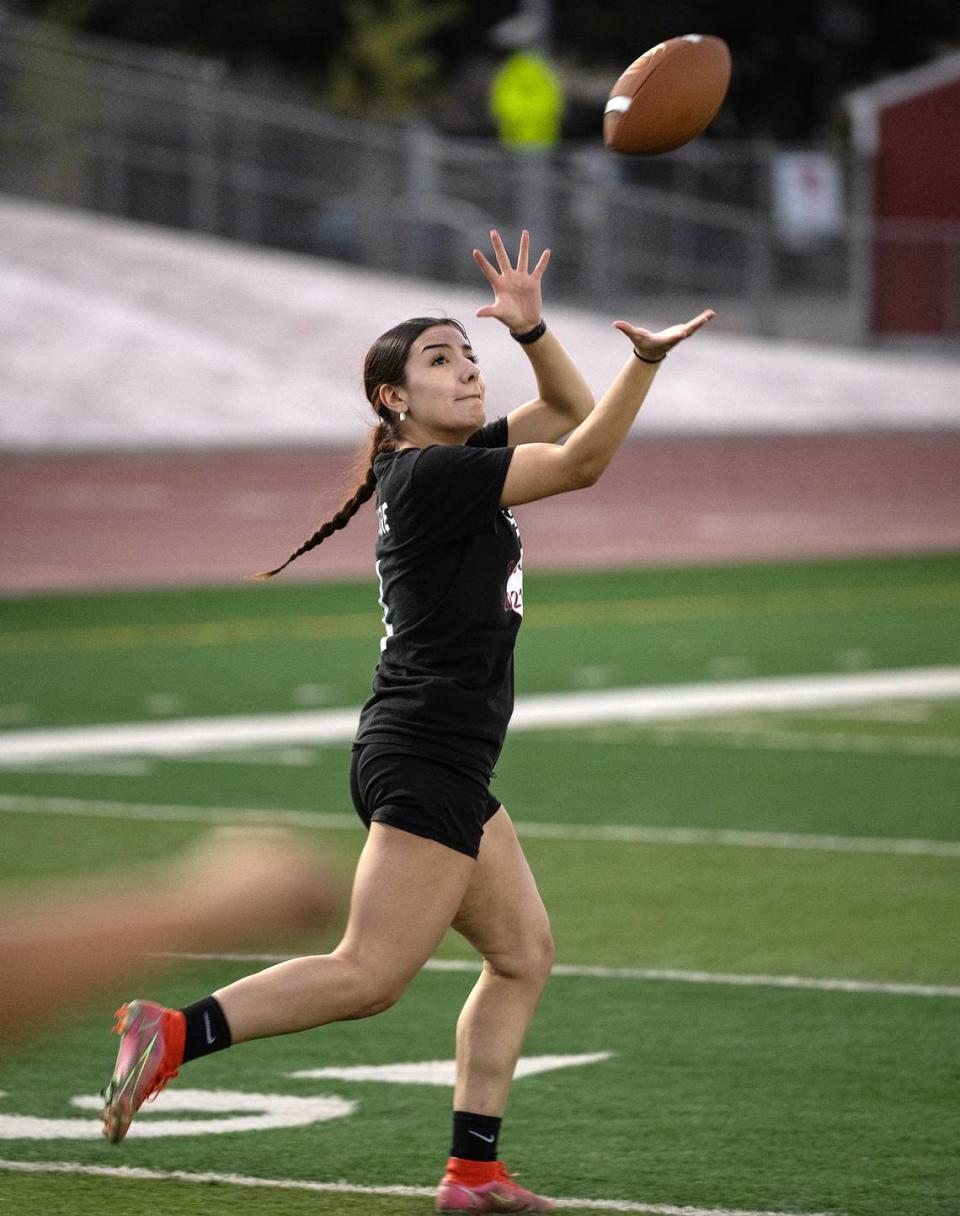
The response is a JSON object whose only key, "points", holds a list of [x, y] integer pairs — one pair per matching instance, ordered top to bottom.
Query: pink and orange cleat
{"points": [[151, 1051], [485, 1186]]}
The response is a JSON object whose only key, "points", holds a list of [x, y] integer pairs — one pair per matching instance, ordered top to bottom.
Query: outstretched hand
{"points": [[516, 291], [654, 346]]}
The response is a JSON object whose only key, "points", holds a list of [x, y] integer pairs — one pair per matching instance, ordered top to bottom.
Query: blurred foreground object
{"points": [[236, 887]]}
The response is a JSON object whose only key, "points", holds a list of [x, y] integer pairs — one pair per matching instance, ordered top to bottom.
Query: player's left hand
{"points": [[516, 291], [656, 345]]}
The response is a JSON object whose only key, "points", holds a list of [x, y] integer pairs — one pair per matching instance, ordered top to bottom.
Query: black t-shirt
{"points": [[450, 566]]}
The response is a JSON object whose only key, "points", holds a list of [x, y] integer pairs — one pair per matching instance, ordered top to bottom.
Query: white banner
{"points": [[807, 196]]}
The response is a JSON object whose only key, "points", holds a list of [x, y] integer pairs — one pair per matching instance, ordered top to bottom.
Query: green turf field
{"points": [[708, 880]]}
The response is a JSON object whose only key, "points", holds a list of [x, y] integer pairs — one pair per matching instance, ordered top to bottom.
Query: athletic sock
{"points": [[207, 1029], [475, 1136]]}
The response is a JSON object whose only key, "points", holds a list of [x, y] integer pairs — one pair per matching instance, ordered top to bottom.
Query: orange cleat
{"points": [[151, 1051], [485, 1186]]}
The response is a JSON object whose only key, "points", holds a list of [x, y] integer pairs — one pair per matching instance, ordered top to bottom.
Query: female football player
{"points": [[441, 850]]}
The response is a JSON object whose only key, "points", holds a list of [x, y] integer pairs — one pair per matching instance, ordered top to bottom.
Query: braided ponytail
{"points": [[385, 364], [381, 440]]}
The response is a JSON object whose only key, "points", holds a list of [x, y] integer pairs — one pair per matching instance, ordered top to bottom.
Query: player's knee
{"points": [[546, 952], [528, 959], [375, 993], [378, 1002]]}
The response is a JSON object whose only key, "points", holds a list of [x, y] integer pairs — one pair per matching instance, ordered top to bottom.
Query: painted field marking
{"points": [[648, 611], [202, 633], [315, 694], [163, 703], [544, 712], [897, 712], [803, 730], [746, 735], [275, 757], [121, 766], [25, 804], [92, 809], [732, 838], [571, 970], [441, 1072], [248, 1112], [263, 1112], [346, 1188]]}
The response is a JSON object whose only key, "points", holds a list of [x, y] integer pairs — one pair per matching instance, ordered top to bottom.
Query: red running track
{"points": [[75, 522]]}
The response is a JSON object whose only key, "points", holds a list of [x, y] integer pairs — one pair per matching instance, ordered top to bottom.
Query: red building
{"points": [[906, 134]]}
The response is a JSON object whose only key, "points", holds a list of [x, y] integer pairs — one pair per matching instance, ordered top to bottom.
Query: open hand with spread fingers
{"points": [[516, 290], [653, 347]]}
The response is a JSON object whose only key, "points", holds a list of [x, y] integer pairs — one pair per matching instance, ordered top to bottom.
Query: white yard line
{"points": [[571, 710], [749, 735], [178, 738], [84, 808], [94, 809], [615, 833], [629, 834], [648, 973], [347, 1188]]}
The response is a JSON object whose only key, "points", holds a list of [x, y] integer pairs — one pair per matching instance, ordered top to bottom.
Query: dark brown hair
{"points": [[385, 364]]}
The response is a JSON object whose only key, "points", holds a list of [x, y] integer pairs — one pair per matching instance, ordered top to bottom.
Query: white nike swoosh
{"points": [[489, 1139]]}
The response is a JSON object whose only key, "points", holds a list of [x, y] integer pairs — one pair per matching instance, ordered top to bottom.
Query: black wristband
{"points": [[531, 335], [642, 360]]}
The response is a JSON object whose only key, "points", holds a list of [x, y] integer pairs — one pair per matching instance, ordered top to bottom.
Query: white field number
{"points": [[229, 1111]]}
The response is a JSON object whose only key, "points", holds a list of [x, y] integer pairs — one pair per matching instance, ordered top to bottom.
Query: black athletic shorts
{"points": [[425, 797]]}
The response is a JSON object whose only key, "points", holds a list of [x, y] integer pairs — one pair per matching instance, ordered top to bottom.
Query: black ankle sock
{"points": [[207, 1029], [475, 1136]]}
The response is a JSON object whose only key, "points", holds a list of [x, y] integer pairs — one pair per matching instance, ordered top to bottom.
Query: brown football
{"points": [[667, 96]]}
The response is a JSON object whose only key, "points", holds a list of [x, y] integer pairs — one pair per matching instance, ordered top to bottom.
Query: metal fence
{"points": [[171, 139]]}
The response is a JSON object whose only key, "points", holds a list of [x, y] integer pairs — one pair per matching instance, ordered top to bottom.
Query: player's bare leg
{"points": [[406, 892], [503, 917]]}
